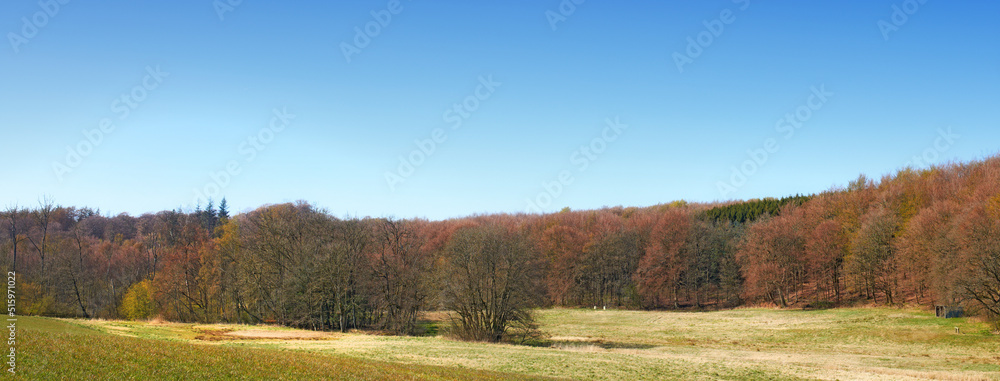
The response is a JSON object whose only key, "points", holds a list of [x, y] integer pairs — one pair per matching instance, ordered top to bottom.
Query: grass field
{"points": [[879, 344], [51, 349]]}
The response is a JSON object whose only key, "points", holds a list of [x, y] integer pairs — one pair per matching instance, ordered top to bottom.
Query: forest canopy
{"points": [[923, 237]]}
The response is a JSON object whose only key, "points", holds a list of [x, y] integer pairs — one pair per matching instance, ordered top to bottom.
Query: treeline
{"points": [[918, 237]]}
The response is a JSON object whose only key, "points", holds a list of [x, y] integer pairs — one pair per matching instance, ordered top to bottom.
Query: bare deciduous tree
{"points": [[490, 281]]}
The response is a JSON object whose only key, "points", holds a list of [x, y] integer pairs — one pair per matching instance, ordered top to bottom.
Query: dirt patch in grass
{"points": [[158, 320], [208, 334], [227, 334], [257, 334], [571, 343]]}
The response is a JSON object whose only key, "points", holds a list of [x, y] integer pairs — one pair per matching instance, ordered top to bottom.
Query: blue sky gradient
{"points": [[224, 78]]}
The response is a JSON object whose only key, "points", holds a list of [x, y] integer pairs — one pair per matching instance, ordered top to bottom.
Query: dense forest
{"points": [[921, 237]]}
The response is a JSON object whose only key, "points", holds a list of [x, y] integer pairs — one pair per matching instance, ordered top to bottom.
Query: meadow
{"points": [[764, 344], [57, 349]]}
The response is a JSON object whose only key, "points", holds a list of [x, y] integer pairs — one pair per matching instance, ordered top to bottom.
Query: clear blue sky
{"points": [[685, 132]]}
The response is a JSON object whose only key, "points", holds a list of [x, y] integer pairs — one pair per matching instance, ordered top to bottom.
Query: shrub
{"points": [[34, 300], [138, 302]]}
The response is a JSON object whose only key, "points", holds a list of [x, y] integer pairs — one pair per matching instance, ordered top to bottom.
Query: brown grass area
{"points": [[207, 334], [226, 334], [279, 335]]}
